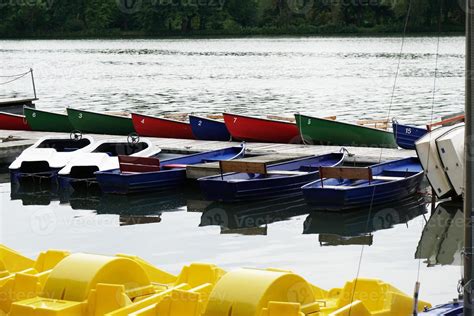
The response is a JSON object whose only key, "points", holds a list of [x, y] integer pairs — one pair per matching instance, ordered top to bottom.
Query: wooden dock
{"points": [[12, 143]]}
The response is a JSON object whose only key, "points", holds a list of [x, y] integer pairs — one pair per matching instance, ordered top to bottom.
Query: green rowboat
{"points": [[45, 121], [99, 123], [326, 132]]}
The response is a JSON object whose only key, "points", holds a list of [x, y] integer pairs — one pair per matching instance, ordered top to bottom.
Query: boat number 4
{"points": [[142, 121], [408, 130]]}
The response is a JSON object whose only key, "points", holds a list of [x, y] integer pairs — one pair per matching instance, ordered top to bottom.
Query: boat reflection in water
{"points": [[35, 193], [251, 218], [356, 227], [442, 239]]}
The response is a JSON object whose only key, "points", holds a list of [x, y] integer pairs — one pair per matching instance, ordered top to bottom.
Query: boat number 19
{"points": [[408, 130]]}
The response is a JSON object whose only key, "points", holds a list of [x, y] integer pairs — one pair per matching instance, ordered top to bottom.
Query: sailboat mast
{"points": [[469, 132]]}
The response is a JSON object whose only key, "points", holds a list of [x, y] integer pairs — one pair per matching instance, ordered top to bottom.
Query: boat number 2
{"points": [[80, 115], [200, 123], [408, 130]]}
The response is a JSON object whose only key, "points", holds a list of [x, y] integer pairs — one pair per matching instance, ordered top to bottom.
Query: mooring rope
{"points": [[405, 27], [15, 77]]}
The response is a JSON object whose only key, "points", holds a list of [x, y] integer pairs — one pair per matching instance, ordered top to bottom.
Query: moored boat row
{"points": [[221, 127], [137, 166]]}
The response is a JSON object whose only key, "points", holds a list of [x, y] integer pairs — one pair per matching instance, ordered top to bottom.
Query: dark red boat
{"points": [[13, 122], [161, 127], [256, 129]]}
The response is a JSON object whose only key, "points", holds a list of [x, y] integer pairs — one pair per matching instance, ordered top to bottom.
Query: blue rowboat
{"points": [[208, 129], [406, 135], [171, 173], [278, 180], [381, 183]]}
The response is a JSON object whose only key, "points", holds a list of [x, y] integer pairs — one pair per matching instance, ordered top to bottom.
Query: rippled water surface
{"points": [[350, 77]]}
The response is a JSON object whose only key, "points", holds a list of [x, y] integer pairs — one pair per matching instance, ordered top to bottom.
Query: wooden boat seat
{"points": [[130, 164], [175, 166], [227, 166], [286, 172], [350, 173]]}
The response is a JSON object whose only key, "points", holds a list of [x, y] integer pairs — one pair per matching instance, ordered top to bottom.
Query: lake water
{"points": [[350, 77]]}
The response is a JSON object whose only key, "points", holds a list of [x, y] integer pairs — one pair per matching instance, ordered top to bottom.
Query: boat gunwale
{"points": [[44, 111], [99, 113], [13, 114], [161, 118], [204, 118], [258, 118], [344, 123], [110, 171], [218, 177], [346, 188]]}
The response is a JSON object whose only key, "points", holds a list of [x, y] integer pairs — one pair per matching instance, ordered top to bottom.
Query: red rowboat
{"points": [[13, 122], [161, 127], [261, 130]]}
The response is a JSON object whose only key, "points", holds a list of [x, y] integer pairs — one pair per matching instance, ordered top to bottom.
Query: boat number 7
{"points": [[80, 115], [235, 119], [200, 123], [408, 130]]}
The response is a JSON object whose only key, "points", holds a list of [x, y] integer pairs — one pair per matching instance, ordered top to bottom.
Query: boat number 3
{"points": [[34, 114], [80, 115], [142, 121], [309, 121], [200, 123], [408, 130]]}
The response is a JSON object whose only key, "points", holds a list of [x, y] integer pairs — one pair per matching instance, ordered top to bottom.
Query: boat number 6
{"points": [[34, 114], [80, 115], [408, 130]]}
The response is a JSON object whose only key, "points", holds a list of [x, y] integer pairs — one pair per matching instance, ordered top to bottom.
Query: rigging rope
{"points": [[407, 19], [433, 101]]}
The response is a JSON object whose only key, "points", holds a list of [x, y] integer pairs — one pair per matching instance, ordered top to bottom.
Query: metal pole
{"points": [[33, 81], [469, 187]]}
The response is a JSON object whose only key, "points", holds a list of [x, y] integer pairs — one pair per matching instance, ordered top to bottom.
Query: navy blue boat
{"points": [[208, 129], [406, 135], [171, 174], [280, 179], [385, 182]]}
